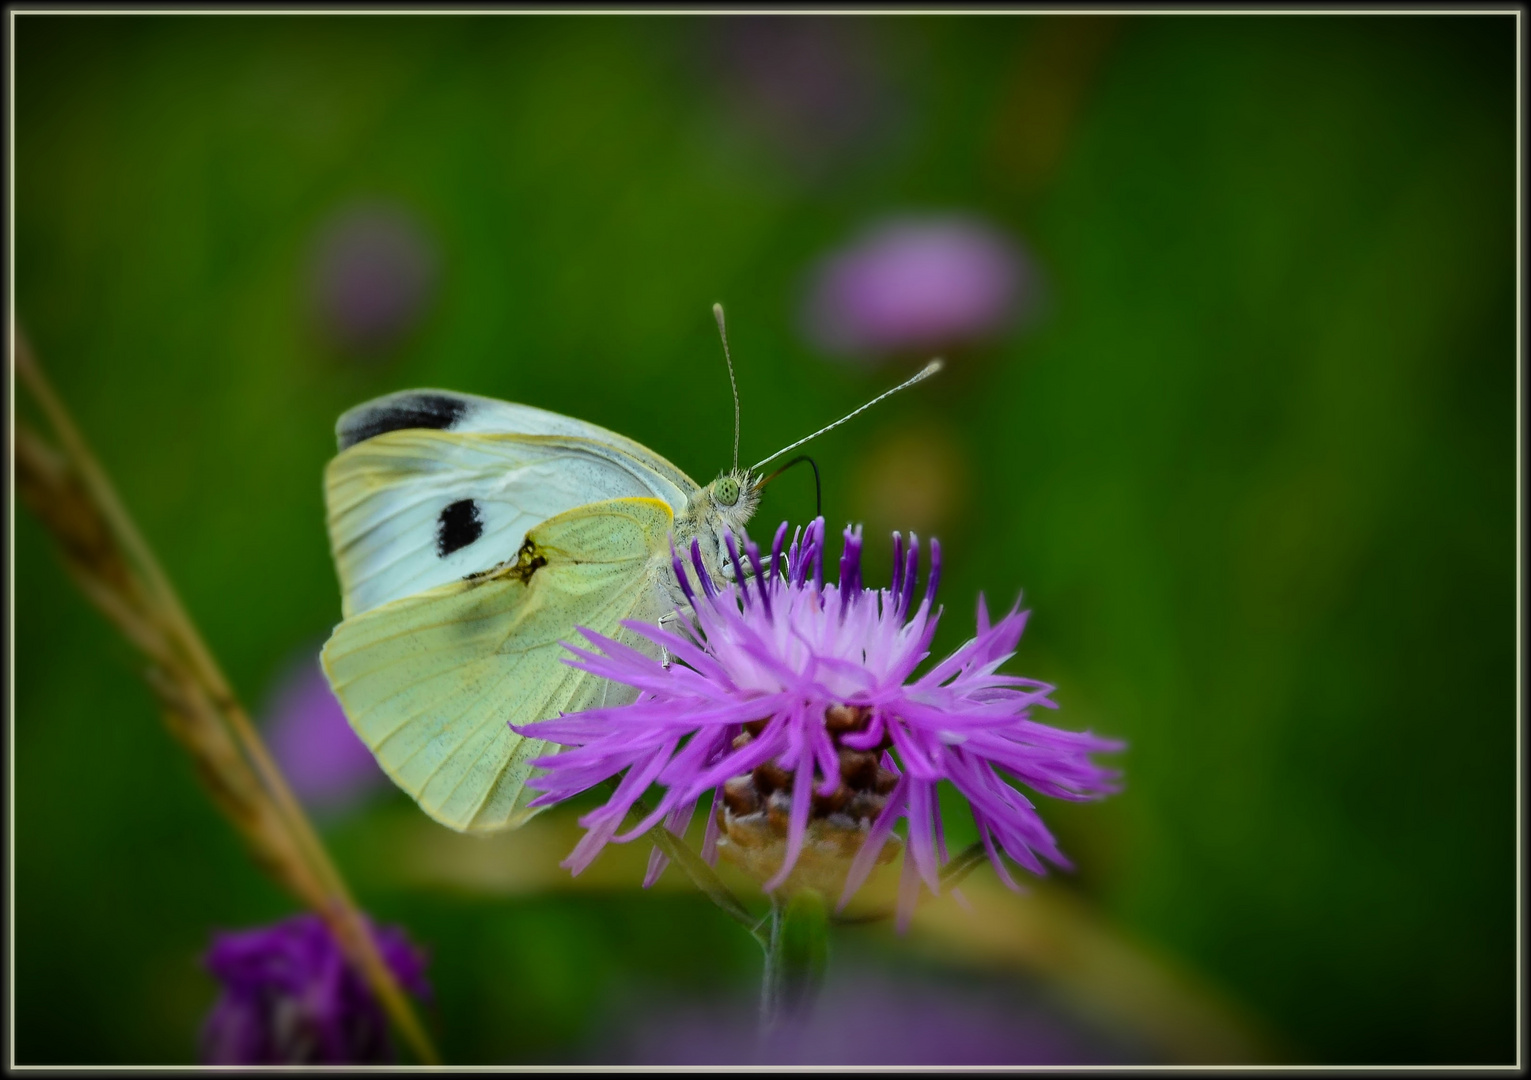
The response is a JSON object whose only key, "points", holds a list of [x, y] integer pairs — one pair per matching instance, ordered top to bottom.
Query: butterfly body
{"points": [[471, 537]]}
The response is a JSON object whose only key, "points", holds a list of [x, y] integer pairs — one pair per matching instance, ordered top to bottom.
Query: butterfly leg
{"points": [[664, 653]]}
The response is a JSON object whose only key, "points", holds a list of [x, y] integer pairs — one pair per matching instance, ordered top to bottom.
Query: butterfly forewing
{"points": [[447, 410], [431, 486], [413, 509], [452, 623], [432, 681]]}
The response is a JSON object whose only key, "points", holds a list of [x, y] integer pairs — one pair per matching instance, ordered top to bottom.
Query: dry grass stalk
{"points": [[107, 557]]}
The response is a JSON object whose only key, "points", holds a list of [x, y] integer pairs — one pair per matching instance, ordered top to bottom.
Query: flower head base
{"points": [[794, 704], [756, 812], [290, 998]]}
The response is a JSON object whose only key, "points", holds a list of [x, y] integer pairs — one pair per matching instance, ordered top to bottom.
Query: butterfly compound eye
{"points": [[726, 490]]}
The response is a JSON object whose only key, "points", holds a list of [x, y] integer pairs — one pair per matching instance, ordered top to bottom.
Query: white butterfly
{"points": [[471, 537]]}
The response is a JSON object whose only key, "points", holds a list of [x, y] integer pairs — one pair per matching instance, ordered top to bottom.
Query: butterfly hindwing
{"points": [[432, 681]]}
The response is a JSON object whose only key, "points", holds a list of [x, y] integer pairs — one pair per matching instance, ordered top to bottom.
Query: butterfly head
{"points": [[733, 497], [720, 508]]}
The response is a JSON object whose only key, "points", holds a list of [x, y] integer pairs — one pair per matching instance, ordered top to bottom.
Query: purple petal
{"points": [[797, 823], [871, 847]]}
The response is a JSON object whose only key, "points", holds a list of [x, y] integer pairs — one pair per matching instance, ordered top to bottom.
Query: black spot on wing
{"points": [[437, 411], [458, 526]]}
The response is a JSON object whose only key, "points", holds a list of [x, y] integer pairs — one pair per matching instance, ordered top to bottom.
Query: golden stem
{"points": [[115, 568]]}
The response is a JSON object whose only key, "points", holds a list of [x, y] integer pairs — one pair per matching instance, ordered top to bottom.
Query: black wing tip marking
{"points": [[397, 412], [458, 525]]}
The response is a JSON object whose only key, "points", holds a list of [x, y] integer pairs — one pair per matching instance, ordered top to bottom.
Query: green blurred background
{"points": [[1252, 460]]}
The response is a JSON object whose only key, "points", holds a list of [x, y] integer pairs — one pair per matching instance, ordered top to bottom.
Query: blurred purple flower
{"points": [[810, 85], [374, 273], [918, 285], [793, 705], [329, 767], [290, 998], [869, 1016]]}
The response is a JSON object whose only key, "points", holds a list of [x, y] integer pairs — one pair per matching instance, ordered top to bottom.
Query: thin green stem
{"points": [[968, 859], [701, 875], [796, 960], [770, 977]]}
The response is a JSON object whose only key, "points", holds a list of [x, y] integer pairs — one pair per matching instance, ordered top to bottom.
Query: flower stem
{"points": [[109, 559], [968, 859], [964, 863], [701, 875], [796, 943], [796, 959]]}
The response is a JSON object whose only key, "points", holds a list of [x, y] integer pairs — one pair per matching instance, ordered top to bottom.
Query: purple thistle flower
{"points": [[814, 88], [373, 276], [916, 285], [793, 704], [290, 998], [899, 1017]]}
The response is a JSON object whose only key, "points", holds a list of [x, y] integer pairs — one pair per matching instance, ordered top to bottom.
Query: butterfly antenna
{"points": [[717, 313], [926, 372]]}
